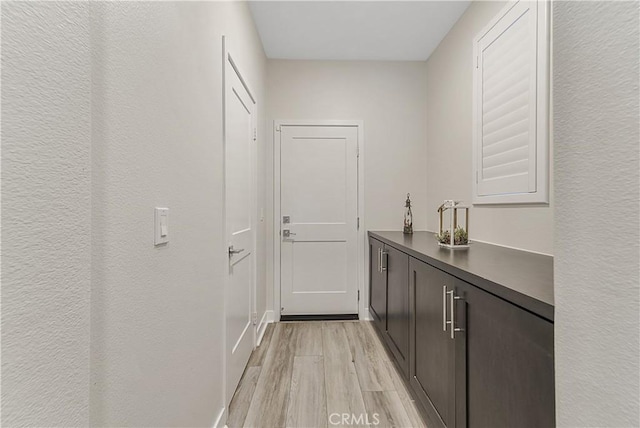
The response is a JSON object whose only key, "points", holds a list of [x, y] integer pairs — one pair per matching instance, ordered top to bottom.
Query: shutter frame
{"points": [[492, 182]]}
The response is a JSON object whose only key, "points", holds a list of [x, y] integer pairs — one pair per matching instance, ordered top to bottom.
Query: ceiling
{"points": [[354, 30]]}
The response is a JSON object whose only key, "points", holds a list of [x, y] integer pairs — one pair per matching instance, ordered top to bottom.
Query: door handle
{"points": [[286, 233], [232, 251], [380, 260], [454, 329]]}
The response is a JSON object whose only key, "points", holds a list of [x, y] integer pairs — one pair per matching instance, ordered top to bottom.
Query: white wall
{"points": [[390, 98], [111, 109], [596, 115], [449, 133], [46, 213], [157, 313]]}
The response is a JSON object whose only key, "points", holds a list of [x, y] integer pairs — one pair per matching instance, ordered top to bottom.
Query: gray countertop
{"points": [[520, 277]]}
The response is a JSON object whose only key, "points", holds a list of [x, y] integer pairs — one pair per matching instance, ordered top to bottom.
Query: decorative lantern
{"points": [[408, 217], [456, 235]]}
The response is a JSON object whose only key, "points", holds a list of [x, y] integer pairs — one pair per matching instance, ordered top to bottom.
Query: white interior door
{"points": [[239, 195], [319, 210]]}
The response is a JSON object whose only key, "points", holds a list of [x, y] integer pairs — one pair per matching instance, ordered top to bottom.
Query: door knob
{"points": [[286, 233]]}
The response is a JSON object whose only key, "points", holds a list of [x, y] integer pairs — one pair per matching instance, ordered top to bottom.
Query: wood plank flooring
{"points": [[321, 374]]}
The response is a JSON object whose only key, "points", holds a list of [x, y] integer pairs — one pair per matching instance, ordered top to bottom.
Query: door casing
{"points": [[363, 249]]}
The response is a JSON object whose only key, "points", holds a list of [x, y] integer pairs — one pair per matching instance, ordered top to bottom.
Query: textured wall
{"points": [[390, 98], [596, 114], [449, 135], [46, 213], [157, 313]]}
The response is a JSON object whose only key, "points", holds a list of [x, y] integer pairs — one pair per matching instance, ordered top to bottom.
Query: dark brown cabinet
{"points": [[397, 265], [378, 285], [389, 298], [471, 358], [505, 373], [432, 374]]}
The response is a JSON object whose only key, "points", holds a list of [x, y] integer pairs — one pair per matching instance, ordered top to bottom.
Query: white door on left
{"points": [[239, 196]]}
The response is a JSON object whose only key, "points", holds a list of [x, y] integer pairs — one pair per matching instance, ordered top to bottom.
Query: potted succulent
{"points": [[460, 238]]}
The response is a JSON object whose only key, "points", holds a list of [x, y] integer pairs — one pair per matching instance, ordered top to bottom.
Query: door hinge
{"points": [[477, 61], [278, 128], [255, 134], [358, 151], [476, 177], [358, 223], [358, 295], [254, 318]]}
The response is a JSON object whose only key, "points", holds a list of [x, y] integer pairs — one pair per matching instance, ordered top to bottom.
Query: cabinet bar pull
{"points": [[383, 258], [380, 260], [444, 308], [454, 329]]}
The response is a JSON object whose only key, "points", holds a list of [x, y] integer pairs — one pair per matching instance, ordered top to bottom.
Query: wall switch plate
{"points": [[161, 232]]}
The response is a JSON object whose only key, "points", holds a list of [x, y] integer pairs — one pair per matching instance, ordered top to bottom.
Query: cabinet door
{"points": [[397, 264], [378, 286], [505, 369], [432, 374]]}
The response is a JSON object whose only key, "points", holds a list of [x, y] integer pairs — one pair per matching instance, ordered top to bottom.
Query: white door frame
{"points": [[229, 62], [362, 290]]}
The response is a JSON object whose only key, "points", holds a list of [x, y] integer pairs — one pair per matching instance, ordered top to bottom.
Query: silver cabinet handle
{"points": [[232, 251], [384, 259], [379, 260], [444, 308], [454, 329]]}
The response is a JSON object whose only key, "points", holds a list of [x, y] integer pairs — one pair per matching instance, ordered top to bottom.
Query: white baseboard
{"points": [[366, 315], [262, 326], [221, 417]]}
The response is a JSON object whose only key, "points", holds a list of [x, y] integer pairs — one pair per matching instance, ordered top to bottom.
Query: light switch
{"points": [[161, 226]]}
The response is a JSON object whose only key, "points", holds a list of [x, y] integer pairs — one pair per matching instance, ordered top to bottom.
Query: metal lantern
{"points": [[408, 217], [453, 229]]}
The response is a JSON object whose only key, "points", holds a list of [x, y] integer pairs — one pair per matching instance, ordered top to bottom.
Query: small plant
{"points": [[444, 237], [460, 237]]}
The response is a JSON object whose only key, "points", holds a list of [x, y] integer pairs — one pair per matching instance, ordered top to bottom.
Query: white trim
{"points": [[543, 108], [315, 122], [363, 248], [224, 250], [277, 308], [267, 318], [222, 416]]}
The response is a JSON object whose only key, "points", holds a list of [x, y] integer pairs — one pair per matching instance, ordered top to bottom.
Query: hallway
{"points": [[178, 177], [316, 374]]}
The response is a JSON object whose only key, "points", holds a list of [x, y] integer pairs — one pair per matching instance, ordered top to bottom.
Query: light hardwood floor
{"points": [[308, 374]]}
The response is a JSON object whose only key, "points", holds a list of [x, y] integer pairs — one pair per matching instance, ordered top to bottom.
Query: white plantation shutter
{"points": [[508, 132]]}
